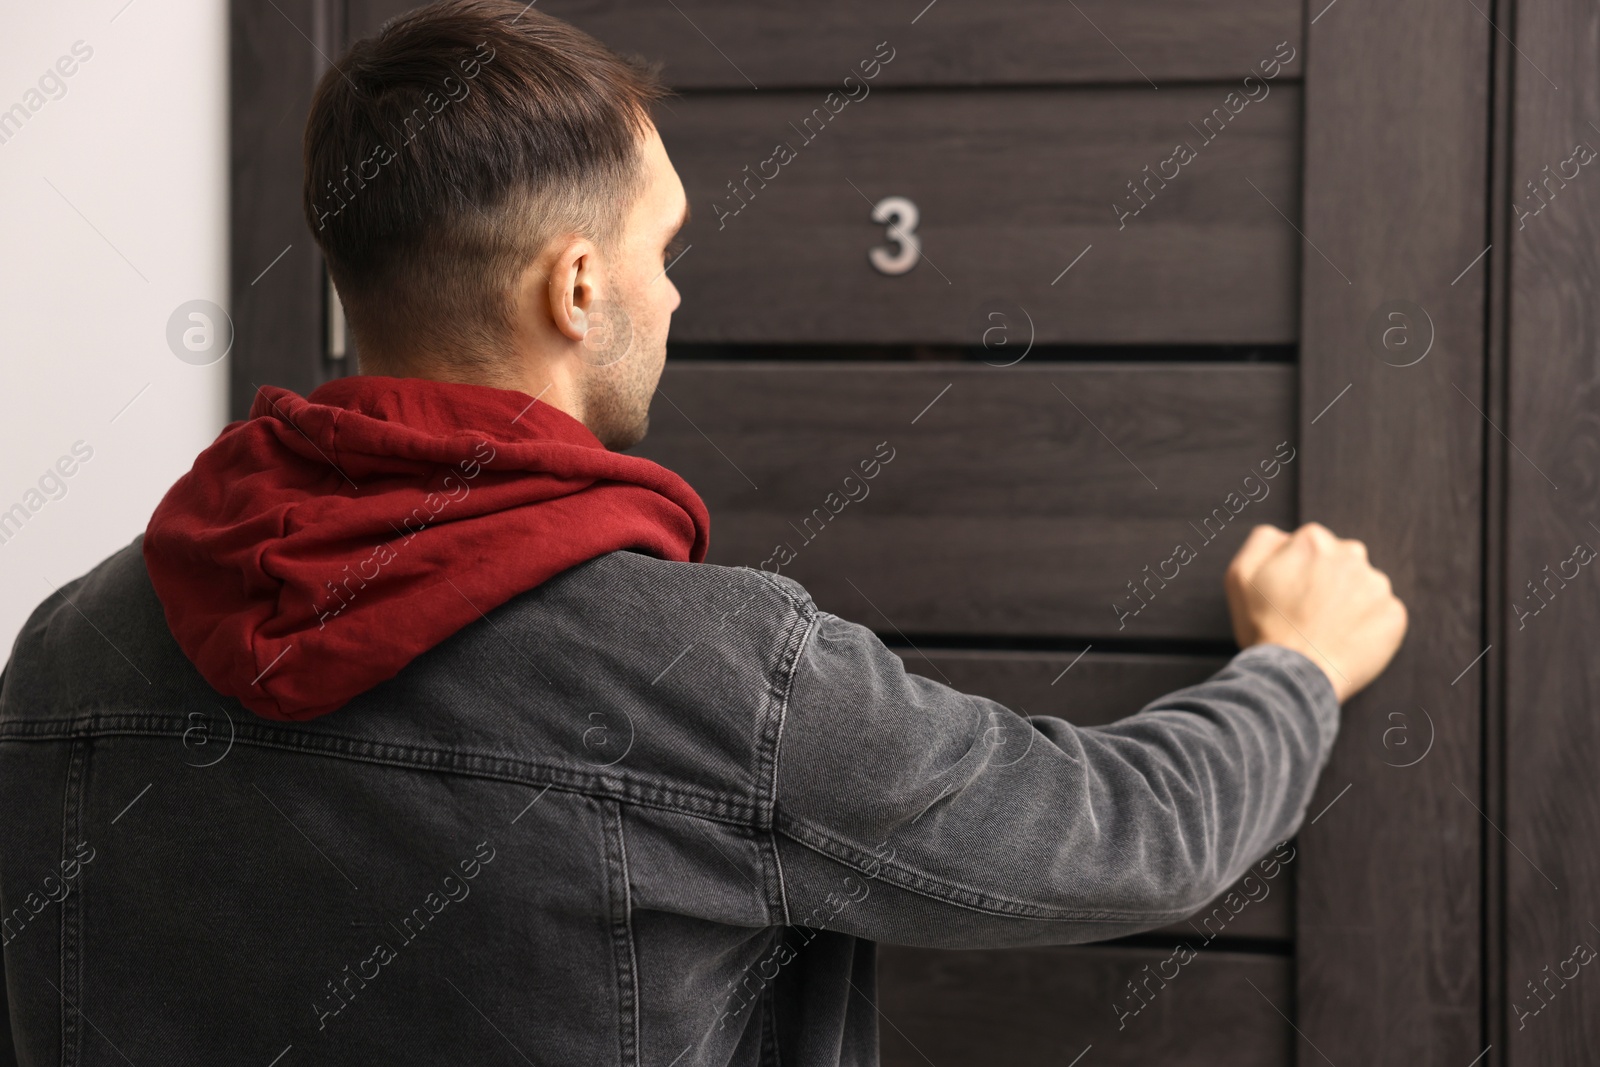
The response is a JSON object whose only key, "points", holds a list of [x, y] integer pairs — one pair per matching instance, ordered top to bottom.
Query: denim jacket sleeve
{"points": [[911, 813]]}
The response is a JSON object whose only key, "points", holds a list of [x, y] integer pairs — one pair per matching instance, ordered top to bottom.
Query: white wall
{"points": [[113, 213]]}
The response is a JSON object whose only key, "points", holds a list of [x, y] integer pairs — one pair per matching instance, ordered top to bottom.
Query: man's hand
{"points": [[1317, 594]]}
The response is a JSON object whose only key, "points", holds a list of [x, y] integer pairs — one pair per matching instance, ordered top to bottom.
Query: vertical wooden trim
{"points": [[277, 286], [1496, 454], [1552, 671], [1389, 916]]}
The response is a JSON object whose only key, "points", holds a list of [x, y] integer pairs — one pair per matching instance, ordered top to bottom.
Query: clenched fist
{"points": [[1317, 594]]}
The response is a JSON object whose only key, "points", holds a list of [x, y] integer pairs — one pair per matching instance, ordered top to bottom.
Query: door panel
{"points": [[997, 42], [737, 44], [782, 197], [1023, 502], [1027, 1007]]}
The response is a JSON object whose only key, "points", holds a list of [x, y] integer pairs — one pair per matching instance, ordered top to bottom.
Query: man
{"points": [[521, 780]]}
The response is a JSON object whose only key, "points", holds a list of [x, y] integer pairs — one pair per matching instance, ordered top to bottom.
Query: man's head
{"points": [[496, 206]]}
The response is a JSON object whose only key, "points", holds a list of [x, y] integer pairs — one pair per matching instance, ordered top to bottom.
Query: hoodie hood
{"points": [[325, 542]]}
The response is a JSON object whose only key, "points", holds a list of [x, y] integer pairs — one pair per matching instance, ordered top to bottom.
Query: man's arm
{"points": [[912, 813]]}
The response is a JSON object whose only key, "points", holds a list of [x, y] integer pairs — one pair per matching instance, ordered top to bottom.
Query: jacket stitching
{"points": [[803, 605], [799, 633], [712, 804], [831, 847], [623, 944], [71, 975], [770, 1045]]}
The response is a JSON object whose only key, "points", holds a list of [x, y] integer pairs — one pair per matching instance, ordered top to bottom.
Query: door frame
{"points": [[1392, 917]]}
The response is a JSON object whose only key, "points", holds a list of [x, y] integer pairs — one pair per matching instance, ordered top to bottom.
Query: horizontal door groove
{"points": [[1222, 83], [1012, 352], [990, 644], [1173, 937]]}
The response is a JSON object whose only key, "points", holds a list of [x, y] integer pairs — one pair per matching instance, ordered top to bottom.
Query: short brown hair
{"points": [[443, 154]]}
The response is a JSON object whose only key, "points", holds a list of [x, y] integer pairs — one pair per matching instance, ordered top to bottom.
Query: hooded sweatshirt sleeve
{"points": [[911, 813]]}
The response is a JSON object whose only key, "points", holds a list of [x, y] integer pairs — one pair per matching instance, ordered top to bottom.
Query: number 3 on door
{"points": [[900, 215]]}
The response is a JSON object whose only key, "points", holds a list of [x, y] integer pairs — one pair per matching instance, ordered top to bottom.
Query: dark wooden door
{"points": [[1075, 277], [1546, 731]]}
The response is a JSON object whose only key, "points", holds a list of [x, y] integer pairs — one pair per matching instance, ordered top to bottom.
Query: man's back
{"points": [[647, 812]]}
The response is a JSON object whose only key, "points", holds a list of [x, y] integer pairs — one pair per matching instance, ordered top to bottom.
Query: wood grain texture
{"points": [[737, 44], [1012, 187], [277, 315], [1020, 500], [1552, 674], [1096, 689], [1390, 891], [1043, 1007]]}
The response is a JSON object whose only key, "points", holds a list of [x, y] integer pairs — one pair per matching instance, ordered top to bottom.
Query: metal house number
{"points": [[900, 215]]}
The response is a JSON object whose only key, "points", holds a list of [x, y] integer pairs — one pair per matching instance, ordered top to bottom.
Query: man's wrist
{"points": [[1338, 681]]}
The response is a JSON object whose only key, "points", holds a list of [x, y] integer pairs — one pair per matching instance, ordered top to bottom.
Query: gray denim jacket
{"points": [[647, 813]]}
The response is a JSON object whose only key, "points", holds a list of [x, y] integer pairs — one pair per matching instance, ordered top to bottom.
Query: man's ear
{"points": [[573, 288]]}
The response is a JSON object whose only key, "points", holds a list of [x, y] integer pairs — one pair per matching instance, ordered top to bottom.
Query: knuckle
{"points": [[1318, 537]]}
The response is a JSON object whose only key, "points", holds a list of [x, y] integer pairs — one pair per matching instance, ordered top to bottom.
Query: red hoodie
{"points": [[325, 542]]}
